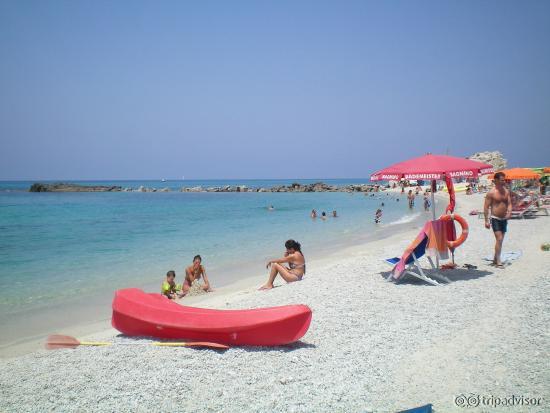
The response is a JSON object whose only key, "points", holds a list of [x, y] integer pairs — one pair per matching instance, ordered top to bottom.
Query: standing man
{"points": [[410, 197], [426, 202], [500, 202]]}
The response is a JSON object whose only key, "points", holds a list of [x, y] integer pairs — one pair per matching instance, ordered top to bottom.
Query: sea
{"points": [[62, 255]]}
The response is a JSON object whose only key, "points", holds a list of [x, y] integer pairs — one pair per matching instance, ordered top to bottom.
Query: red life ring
{"points": [[464, 225]]}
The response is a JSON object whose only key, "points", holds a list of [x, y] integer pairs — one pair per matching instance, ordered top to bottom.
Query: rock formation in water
{"points": [[64, 187], [294, 187]]}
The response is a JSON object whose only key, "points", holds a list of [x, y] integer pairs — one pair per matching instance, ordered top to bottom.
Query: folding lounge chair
{"points": [[544, 209], [527, 210], [413, 267]]}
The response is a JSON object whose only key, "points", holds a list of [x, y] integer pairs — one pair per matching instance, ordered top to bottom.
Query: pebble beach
{"points": [[373, 346]]}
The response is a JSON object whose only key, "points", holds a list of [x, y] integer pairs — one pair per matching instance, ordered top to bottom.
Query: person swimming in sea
{"points": [[271, 208], [313, 214], [334, 214], [323, 215], [378, 216], [296, 265], [194, 273], [169, 288]]}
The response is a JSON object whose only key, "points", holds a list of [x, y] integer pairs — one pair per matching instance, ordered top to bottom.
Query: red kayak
{"points": [[136, 313]]}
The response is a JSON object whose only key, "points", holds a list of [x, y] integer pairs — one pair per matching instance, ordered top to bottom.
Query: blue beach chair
{"points": [[413, 267], [421, 409]]}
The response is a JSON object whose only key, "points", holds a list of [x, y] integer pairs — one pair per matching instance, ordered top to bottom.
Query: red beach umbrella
{"points": [[433, 167]]}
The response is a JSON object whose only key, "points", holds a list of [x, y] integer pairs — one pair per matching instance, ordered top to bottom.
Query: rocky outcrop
{"points": [[494, 158], [64, 187], [295, 187], [142, 188], [193, 189]]}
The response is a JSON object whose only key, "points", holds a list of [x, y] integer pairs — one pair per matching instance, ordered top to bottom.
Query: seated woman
{"points": [[296, 265], [193, 273]]}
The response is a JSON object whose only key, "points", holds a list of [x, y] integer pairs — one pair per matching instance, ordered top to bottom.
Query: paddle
{"points": [[57, 341]]}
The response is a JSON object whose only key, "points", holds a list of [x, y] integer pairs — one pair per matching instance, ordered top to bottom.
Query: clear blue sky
{"points": [[229, 89]]}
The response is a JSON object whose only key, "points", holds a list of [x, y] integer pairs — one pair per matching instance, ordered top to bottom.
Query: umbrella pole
{"points": [[434, 186]]}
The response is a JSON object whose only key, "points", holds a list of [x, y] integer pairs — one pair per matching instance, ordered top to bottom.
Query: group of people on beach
{"points": [[291, 267], [195, 274]]}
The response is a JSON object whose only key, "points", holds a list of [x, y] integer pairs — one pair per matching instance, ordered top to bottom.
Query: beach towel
{"points": [[432, 239], [437, 239], [506, 257]]}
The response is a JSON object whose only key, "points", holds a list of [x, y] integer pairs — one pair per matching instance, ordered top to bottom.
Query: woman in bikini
{"points": [[296, 265], [194, 272]]}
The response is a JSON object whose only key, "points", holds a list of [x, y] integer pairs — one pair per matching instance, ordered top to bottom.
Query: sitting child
{"points": [[169, 287]]}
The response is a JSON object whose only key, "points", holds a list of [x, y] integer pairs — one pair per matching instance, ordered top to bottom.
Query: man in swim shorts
{"points": [[499, 201]]}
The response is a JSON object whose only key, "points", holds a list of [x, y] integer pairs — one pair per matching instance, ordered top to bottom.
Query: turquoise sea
{"points": [[56, 249]]}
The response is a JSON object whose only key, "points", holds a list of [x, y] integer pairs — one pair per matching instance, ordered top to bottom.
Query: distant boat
{"points": [[163, 180]]}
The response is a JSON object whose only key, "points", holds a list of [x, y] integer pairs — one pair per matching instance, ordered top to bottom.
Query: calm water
{"points": [[57, 246]]}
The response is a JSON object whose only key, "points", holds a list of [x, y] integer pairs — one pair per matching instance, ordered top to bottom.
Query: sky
{"points": [[259, 89]]}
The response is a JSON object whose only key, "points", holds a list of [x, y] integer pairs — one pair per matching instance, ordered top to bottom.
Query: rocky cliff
{"points": [[494, 158]]}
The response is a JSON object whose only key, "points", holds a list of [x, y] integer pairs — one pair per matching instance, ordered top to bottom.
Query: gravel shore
{"points": [[372, 345]]}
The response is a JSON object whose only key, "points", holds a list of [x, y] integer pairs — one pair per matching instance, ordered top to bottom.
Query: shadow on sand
{"points": [[457, 274], [125, 340], [283, 349]]}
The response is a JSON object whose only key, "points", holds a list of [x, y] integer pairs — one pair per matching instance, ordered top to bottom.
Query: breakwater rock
{"points": [[63, 187], [295, 187], [145, 189]]}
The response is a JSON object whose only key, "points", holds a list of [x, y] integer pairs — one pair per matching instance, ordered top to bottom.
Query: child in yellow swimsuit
{"points": [[169, 287]]}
